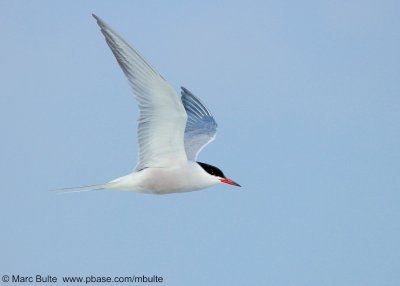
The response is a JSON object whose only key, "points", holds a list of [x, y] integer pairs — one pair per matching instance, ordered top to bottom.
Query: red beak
{"points": [[229, 181]]}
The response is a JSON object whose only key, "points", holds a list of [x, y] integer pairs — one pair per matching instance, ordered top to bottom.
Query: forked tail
{"points": [[82, 189]]}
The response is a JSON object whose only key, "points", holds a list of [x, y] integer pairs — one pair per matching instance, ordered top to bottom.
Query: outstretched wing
{"points": [[162, 117], [201, 127]]}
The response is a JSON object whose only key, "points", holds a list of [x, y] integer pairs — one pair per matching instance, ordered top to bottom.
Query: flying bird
{"points": [[171, 130]]}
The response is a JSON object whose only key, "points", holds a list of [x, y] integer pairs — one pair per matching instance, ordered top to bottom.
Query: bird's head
{"points": [[217, 173]]}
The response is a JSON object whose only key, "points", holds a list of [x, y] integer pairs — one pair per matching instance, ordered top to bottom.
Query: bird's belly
{"points": [[164, 182]]}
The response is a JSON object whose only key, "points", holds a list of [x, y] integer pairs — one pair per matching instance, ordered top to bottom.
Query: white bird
{"points": [[171, 131]]}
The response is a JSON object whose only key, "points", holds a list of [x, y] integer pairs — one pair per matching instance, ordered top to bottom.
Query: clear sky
{"points": [[307, 98]]}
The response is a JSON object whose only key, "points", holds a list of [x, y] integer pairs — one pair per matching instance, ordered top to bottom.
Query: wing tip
{"points": [[96, 17], [99, 21], [185, 91], [188, 98]]}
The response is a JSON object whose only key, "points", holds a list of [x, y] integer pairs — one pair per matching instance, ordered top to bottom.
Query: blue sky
{"points": [[306, 95]]}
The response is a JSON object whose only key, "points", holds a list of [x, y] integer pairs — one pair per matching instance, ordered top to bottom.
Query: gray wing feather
{"points": [[162, 118], [201, 127]]}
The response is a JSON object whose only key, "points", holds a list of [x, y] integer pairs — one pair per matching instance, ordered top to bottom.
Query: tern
{"points": [[171, 131]]}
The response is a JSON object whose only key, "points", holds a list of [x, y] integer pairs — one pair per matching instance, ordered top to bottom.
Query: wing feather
{"points": [[162, 118], [201, 127]]}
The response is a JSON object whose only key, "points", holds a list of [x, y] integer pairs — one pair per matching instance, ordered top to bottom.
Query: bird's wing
{"points": [[162, 118], [201, 127]]}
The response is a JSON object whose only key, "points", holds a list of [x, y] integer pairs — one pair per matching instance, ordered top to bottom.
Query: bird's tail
{"points": [[82, 189]]}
